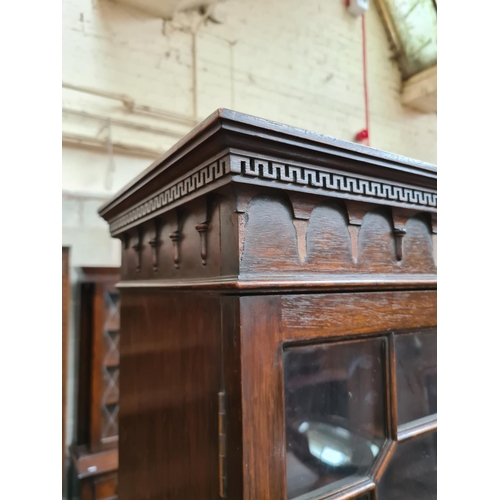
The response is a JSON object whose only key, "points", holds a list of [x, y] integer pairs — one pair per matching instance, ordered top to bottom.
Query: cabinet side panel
{"points": [[169, 380]]}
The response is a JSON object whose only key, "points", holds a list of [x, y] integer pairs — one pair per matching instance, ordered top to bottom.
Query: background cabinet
{"points": [[94, 454]]}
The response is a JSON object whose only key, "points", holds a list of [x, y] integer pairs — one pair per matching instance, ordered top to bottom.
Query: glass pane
{"points": [[415, 23], [112, 318], [111, 348], [416, 375], [109, 403], [334, 413], [109, 422], [412, 472]]}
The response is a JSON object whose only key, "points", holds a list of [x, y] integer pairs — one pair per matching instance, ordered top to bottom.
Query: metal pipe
{"points": [[194, 50], [195, 73], [131, 105], [125, 123], [91, 142], [109, 149], [84, 195]]}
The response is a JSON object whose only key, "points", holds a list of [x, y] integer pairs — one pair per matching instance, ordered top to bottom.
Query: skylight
{"points": [[412, 27]]}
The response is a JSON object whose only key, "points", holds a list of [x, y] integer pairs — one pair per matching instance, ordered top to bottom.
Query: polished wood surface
{"points": [[246, 239], [304, 316], [170, 368]]}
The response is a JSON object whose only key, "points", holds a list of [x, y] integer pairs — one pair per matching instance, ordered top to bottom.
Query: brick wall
{"points": [[288, 60]]}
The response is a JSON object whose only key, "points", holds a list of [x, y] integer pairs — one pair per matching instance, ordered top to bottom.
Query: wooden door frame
{"points": [[268, 323]]}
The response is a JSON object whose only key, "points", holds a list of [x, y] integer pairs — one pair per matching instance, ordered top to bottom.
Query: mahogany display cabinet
{"points": [[278, 319], [95, 451]]}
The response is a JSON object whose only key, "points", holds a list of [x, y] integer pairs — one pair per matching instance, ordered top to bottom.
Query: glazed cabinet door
{"points": [[339, 396]]}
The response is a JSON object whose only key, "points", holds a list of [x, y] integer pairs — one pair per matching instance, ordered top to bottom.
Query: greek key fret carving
{"points": [[278, 173], [309, 176], [174, 192]]}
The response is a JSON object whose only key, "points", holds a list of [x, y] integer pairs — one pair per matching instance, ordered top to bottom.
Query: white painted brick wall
{"points": [[293, 61]]}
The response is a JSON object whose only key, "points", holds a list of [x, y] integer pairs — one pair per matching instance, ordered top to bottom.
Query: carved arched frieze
{"points": [[244, 195], [302, 206], [356, 210], [399, 219], [225, 228], [279, 232], [331, 236], [434, 236], [328, 239], [270, 240], [377, 242], [418, 251]]}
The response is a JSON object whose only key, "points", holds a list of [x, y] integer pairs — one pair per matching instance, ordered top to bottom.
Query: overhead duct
{"points": [[165, 9]]}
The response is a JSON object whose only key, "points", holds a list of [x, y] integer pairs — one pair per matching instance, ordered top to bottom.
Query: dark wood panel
{"points": [[229, 235], [328, 239], [376, 242], [418, 248], [267, 249], [335, 315], [84, 364], [170, 372], [232, 375], [96, 387], [262, 399], [99, 487], [106, 487], [87, 490]]}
